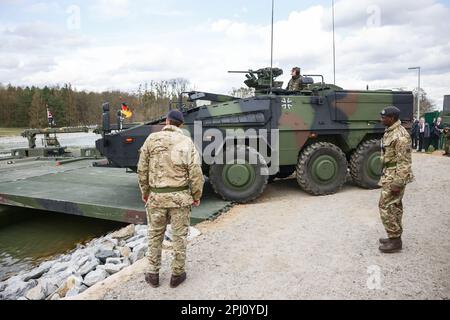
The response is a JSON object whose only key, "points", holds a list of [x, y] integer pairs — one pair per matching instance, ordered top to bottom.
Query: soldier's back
{"points": [[166, 138], [169, 155]]}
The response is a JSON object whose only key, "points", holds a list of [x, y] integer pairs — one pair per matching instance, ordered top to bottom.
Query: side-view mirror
{"points": [[307, 80]]}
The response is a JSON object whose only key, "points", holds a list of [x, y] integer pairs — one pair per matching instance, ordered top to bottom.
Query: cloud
{"points": [[40, 8], [110, 9], [170, 13], [357, 14], [239, 30], [407, 34], [39, 37], [376, 42], [32, 49], [9, 63]]}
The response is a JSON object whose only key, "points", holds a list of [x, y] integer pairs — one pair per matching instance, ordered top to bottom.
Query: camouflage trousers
{"points": [[447, 145], [391, 211], [158, 218]]}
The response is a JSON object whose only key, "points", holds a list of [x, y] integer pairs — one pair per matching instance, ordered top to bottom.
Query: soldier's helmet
{"points": [[390, 111]]}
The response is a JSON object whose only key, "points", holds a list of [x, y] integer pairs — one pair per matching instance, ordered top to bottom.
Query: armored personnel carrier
{"points": [[320, 133]]}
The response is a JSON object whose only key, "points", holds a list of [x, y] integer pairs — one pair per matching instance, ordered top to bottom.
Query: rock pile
{"points": [[74, 272]]}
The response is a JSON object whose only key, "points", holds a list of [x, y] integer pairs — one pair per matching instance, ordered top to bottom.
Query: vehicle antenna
{"points": [[334, 49], [271, 51]]}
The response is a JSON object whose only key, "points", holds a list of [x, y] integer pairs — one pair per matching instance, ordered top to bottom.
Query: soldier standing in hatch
{"points": [[295, 84], [397, 173], [171, 181]]}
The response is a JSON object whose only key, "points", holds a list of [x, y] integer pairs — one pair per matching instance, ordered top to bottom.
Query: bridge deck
{"points": [[79, 188]]}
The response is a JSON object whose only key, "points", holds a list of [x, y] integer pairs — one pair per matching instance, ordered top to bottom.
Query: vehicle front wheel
{"points": [[321, 168], [240, 181]]}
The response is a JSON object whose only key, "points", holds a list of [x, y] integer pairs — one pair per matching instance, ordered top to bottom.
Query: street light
{"points": [[418, 92]]}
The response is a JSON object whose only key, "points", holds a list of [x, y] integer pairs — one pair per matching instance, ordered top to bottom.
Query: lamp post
{"points": [[418, 91]]}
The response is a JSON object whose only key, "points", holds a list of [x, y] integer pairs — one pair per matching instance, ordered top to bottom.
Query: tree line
{"points": [[27, 106]]}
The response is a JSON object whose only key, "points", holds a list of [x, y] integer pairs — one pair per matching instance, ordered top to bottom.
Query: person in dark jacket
{"points": [[423, 131], [436, 133]]}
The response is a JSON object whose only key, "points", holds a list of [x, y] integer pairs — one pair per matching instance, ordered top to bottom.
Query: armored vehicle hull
{"points": [[321, 134]]}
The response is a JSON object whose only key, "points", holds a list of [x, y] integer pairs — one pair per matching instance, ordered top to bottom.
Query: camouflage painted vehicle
{"points": [[324, 132]]}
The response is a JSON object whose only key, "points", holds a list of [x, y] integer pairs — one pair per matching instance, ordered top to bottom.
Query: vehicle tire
{"points": [[366, 167], [321, 168], [239, 183]]}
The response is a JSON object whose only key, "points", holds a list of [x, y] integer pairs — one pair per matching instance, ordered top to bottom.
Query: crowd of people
{"points": [[423, 135]]}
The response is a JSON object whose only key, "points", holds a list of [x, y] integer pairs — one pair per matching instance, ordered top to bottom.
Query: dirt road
{"points": [[290, 245]]}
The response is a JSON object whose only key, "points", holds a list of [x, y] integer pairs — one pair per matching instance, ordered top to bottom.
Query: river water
{"points": [[65, 139], [28, 237]]}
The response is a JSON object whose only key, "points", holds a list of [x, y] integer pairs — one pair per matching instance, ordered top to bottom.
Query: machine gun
{"points": [[261, 79], [49, 141]]}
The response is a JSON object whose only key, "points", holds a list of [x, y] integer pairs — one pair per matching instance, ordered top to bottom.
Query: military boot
{"points": [[384, 240], [391, 246], [152, 279], [175, 281]]}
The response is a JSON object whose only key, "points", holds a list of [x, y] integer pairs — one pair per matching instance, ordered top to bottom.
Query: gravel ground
{"points": [[290, 245]]}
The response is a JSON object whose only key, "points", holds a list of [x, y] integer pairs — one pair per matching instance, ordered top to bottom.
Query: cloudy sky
{"points": [[118, 44]]}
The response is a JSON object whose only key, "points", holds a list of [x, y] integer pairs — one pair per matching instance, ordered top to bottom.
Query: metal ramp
{"points": [[76, 187]]}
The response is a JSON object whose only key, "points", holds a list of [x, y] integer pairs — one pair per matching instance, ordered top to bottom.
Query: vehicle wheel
{"points": [[366, 167], [321, 169], [240, 182]]}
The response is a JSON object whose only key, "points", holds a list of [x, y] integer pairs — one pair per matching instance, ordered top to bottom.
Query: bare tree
{"points": [[426, 105]]}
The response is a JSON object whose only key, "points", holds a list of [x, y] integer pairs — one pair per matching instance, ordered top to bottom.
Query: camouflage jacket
{"points": [[295, 84], [396, 156], [168, 159]]}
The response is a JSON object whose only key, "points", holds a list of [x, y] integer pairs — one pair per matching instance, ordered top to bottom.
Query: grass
{"points": [[7, 132]]}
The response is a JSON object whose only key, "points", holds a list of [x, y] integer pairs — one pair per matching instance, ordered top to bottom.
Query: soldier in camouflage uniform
{"points": [[295, 84], [447, 141], [397, 173], [171, 180]]}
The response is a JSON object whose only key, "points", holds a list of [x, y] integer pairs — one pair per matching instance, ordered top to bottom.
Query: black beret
{"points": [[390, 111], [175, 115]]}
